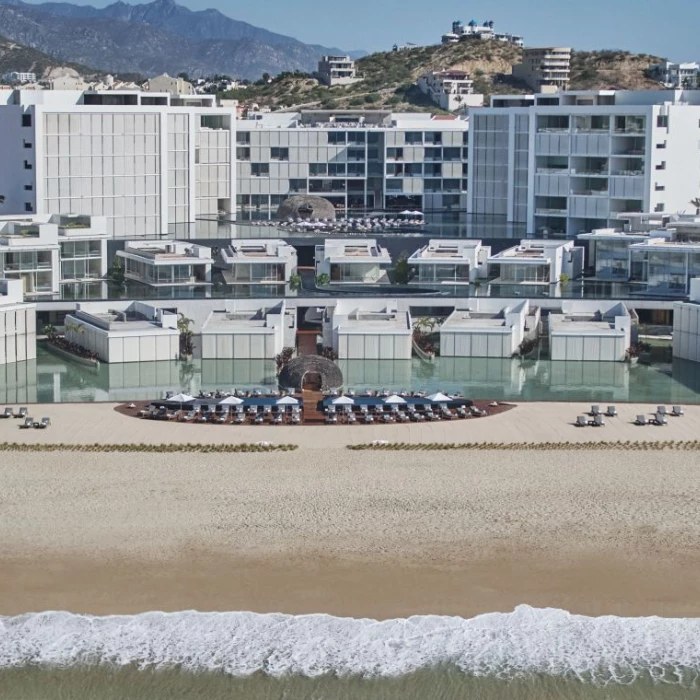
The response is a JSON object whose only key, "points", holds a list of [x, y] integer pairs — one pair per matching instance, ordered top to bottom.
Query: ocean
{"points": [[529, 653]]}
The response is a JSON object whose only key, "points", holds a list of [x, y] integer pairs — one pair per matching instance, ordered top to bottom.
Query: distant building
{"points": [[474, 30], [337, 70], [545, 70], [678, 75], [15, 77], [68, 82], [164, 83], [452, 90], [350, 261], [167, 263], [17, 324]]}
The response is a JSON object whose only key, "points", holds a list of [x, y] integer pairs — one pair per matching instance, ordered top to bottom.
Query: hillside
{"points": [[15, 57], [390, 77]]}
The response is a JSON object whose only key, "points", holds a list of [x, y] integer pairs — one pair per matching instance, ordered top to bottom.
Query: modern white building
{"points": [[474, 30], [337, 70], [545, 70], [678, 75], [19, 77], [164, 83], [452, 90], [355, 159], [571, 162], [151, 163], [258, 261], [350, 261], [445, 261], [536, 262], [167, 263], [661, 266], [17, 324], [686, 325], [488, 328], [368, 329], [245, 330], [125, 331], [593, 331]]}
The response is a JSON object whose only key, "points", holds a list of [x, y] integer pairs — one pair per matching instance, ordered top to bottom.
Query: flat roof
{"points": [[252, 250], [449, 250], [252, 321], [385, 321], [574, 324]]}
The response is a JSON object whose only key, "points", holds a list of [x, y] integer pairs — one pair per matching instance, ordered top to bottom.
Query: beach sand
{"points": [[362, 534]]}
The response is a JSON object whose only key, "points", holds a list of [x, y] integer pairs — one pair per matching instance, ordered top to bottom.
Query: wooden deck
{"points": [[306, 342], [312, 416]]}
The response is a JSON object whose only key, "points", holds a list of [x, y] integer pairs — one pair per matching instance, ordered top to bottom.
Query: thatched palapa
{"points": [[306, 207]]}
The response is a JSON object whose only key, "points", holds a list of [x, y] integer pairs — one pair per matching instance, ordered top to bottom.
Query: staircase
{"points": [[312, 415]]}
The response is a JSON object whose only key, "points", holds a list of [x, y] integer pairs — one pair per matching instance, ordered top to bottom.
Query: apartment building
{"points": [[337, 70], [545, 70], [678, 75], [14, 77], [451, 90], [355, 159], [571, 162], [150, 163], [17, 324]]}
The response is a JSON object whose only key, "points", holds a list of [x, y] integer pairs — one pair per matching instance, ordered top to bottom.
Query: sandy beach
{"points": [[350, 533]]}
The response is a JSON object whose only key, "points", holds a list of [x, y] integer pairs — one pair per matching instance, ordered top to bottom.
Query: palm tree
{"points": [[695, 202]]}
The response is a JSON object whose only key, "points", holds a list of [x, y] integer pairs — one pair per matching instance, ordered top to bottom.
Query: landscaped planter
{"points": [[60, 352]]}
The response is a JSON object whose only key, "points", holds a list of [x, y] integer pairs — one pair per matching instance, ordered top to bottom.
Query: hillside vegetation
{"points": [[15, 57], [389, 78]]}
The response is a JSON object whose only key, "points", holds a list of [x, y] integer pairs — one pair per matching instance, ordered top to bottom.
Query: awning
{"points": [[395, 399]]}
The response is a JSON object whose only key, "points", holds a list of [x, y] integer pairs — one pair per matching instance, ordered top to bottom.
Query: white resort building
{"points": [[474, 30], [337, 70], [545, 70], [678, 75], [452, 90], [258, 261], [350, 261], [445, 261], [536, 262], [166, 263], [665, 267], [17, 324], [686, 325], [488, 328], [595, 331]]}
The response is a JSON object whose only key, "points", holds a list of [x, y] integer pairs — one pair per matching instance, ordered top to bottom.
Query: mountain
{"points": [[156, 37], [15, 57]]}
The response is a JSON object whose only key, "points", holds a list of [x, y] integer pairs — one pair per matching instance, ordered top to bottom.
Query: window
{"points": [[26, 120], [662, 121], [337, 137], [356, 137], [243, 138], [414, 138], [27, 144], [661, 145], [243, 153], [277, 153], [395, 153], [27, 165], [661, 165], [260, 169], [316, 169], [336, 169], [28, 188], [659, 188], [28, 206], [659, 207]]}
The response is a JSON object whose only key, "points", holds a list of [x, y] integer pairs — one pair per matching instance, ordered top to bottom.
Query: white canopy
{"points": [[406, 212], [416, 213], [181, 398], [439, 398], [395, 399], [231, 401], [287, 401], [343, 401]]}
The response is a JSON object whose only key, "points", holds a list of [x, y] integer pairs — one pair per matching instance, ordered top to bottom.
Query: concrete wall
{"points": [[686, 331], [17, 333], [240, 346], [374, 346], [588, 346]]}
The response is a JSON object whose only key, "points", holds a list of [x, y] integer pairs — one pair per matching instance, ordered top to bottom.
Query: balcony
{"points": [[554, 171], [590, 193], [541, 211]]}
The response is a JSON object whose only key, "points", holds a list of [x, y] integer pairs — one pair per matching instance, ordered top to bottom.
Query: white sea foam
{"points": [[527, 640]]}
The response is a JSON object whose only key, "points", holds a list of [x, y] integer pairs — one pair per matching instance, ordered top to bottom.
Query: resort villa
{"points": [[451, 90], [349, 261], [444, 261], [253, 262], [536, 262], [167, 263], [661, 266], [17, 324], [686, 325], [488, 328], [368, 329], [125, 331], [590, 331]]}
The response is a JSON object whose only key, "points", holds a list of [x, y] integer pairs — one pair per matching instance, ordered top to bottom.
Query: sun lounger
{"points": [[661, 410], [595, 411], [677, 411], [611, 412], [7, 413], [22, 413], [351, 418], [368, 418], [239, 419], [660, 419], [640, 420], [598, 421], [581, 422], [28, 423], [44, 423]]}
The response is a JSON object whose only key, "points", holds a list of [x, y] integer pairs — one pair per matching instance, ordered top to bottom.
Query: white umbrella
{"points": [[406, 212], [181, 398], [439, 398], [394, 399], [231, 401], [287, 401], [343, 401]]}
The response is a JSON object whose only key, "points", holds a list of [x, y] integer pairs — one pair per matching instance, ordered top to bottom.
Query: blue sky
{"points": [[667, 29]]}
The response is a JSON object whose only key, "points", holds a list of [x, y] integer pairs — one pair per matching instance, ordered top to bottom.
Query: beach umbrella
{"points": [[406, 212], [416, 213], [439, 398], [181, 399], [394, 399], [231, 401], [287, 401], [343, 401]]}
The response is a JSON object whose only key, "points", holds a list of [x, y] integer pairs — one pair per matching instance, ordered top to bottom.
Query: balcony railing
{"points": [[553, 130], [629, 130], [554, 171], [590, 173], [627, 173], [590, 193], [554, 212]]}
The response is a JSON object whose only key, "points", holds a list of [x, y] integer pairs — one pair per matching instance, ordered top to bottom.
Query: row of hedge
{"points": [[679, 445], [206, 449]]}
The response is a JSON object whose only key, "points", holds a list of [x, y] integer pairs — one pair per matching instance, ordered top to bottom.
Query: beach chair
{"points": [[661, 410], [595, 411], [677, 411], [462, 412], [611, 412], [7, 413], [22, 413], [351, 418], [369, 418], [240, 419], [259, 419], [296, 419], [660, 419], [277, 420], [640, 420], [598, 421], [581, 422], [28, 423], [43, 423]]}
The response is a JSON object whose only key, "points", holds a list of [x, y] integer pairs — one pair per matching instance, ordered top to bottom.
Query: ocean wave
{"points": [[526, 641]]}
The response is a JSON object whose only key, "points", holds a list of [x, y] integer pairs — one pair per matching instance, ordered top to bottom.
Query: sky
{"points": [[668, 29]]}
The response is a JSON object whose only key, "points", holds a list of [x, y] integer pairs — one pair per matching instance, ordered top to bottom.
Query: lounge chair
{"points": [[661, 410], [595, 411], [677, 411], [611, 412], [7, 413], [22, 413], [240, 418], [368, 418], [660, 419], [640, 420], [598, 421], [581, 422], [28, 423], [44, 423]]}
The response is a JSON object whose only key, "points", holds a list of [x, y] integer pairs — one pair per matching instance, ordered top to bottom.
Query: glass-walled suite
{"points": [[611, 259], [81, 260], [31, 266], [664, 271], [355, 272], [514, 272], [256, 273], [438, 273], [159, 274]]}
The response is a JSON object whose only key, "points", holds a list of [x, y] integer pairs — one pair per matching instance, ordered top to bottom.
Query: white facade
{"points": [[474, 30], [337, 70], [545, 70], [678, 75], [18, 77], [164, 83], [451, 90], [355, 159], [148, 162], [572, 162], [258, 261], [349, 261], [444, 261], [536, 262], [167, 263], [663, 266], [17, 324], [686, 326], [488, 328], [371, 329], [244, 330], [590, 331], [125, 332]]}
